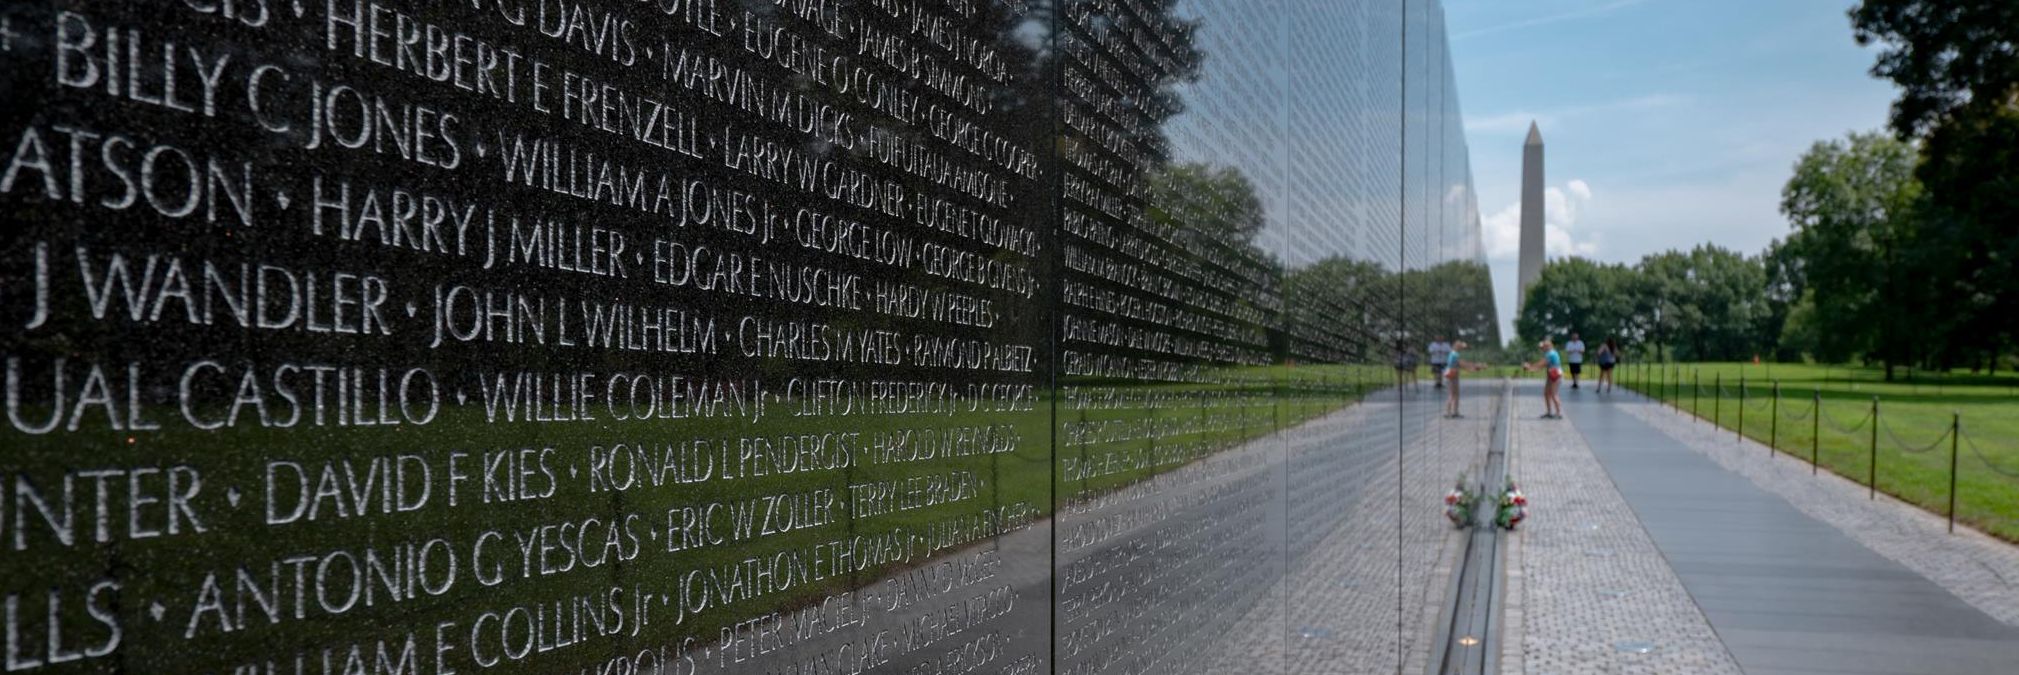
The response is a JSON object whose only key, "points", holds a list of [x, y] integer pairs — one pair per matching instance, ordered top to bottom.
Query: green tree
{"points": [[1952, 59], [1957, 65], [1218, 201], [1854, 205], [1969, 238], [1579, 296], [1785, 297], [1452, 300], [1705, 304], [1666, 306], [1337, 310], [1801, 333]]}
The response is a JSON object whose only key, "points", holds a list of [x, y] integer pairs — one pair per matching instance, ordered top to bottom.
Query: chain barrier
{"points": [[1750, 400], [1763, 402], [1832, 421], [1953, 434], [1972, 442], [1905, 447]]}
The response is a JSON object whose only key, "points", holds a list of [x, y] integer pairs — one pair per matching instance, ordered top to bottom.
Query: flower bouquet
{"points": [[1459, 503], [1513, 506]]}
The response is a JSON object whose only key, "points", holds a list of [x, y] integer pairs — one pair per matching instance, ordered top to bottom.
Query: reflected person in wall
{"points": [[1440, 352], [1453, 363], [1405, 367]]}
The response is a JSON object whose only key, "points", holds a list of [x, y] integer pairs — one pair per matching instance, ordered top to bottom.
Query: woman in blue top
{"points": [[1452, 364], [1552, 407]]}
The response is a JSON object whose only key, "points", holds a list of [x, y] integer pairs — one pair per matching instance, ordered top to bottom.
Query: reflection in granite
{"points": [[693, 336]]}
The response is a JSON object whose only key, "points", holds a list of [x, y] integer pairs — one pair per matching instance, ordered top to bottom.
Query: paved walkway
{"points": [[1980, 569], [1588, 590], [1784, 591], [1346, 608]]}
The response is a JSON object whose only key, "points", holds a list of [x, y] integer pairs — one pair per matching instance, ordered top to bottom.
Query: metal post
{"points": [[1696, 391], [1717, 398], [1742, 407], [1774, 428], [1816, 432], [1955, 437], [1872, 483]]}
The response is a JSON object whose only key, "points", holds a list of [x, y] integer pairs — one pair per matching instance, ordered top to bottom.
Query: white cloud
{"points": [[1580, 189], [1561, 209], [1503, 233]]}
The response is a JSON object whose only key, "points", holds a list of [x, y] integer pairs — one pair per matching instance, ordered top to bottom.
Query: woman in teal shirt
{"points": [[1452, 364], [1552, 407]]}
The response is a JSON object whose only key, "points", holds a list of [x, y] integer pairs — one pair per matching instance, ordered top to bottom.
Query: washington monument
{"points": [[1531, 215]]}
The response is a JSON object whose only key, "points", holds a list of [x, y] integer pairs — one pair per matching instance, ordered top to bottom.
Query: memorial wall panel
{"points": [[717, 336]]}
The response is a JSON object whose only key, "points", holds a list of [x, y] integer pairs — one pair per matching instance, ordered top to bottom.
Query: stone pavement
{"points": [[1785, 588], [1588, 591], [1338, 611]]}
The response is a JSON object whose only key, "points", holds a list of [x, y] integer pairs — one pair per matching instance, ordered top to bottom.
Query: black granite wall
{"points": [[697, 336]]}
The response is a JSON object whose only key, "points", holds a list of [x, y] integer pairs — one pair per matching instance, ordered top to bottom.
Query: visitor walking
{"points": [[1575, 350], [1440, 352], [1608, 357], [1453, 364], [1552, 407]]}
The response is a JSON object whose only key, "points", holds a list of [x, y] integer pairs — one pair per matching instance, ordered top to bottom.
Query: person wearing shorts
{"points": [[1574, 351], [1440, 353], [1608, 357], [1452, 366], [1552, 407]]}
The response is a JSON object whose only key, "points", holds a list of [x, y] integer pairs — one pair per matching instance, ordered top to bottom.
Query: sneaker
{"points": [[1548, 416]]}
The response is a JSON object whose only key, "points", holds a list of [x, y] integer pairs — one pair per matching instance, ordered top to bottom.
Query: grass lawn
{"points": [[1913, 456]]}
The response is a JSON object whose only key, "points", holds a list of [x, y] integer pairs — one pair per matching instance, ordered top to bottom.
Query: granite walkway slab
{"points": [[1785, 591]]}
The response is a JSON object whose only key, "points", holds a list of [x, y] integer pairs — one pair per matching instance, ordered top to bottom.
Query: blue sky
{"points": [[1667, 122]]}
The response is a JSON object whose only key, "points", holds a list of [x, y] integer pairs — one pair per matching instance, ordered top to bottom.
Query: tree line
{"points": [[1904, 249], [1344, 310]]}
